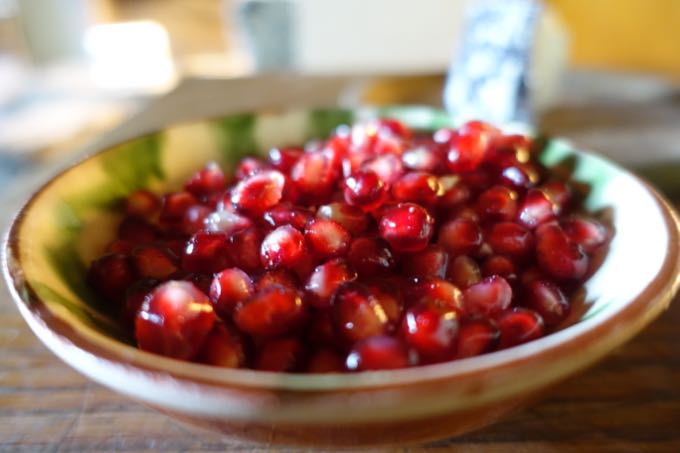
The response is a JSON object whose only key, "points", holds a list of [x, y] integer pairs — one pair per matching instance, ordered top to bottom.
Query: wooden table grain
{"points": [[630, 402]]}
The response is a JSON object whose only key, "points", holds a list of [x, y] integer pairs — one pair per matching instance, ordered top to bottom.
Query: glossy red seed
{"points": [[394, 127], [468, 147], [423, 158], [283, 159], [249, 166], [388, 167], [315, 174], [519, 176], [206, 181], [417, 187], [365, 190], [258, 192], [454, 192], [559, 193], [142, 203], [497, 203], [175, 205], [535, 209], [287, 214], [352, 218], [194, 219], [226, 221], [407, 227], [137, 231], [588, 233], [460, 236], [508, 238], [327, 239], [120, 246], [282, 247], [243, 249], [205, 252], [558, 255], [370, 256], [154, 261], [430, 262], [499, 265], [463, 272], [111, 275], [280, 277], [325, 280], [229, 288], [435, 293], [134, 298], [389, 298], [487, 298], [548, 300], [272, 311], [357, 314], [175, 320], [518, 326], [431, 332], [476, 337], [224, 348], [378, 353], [281, 355], [325, 360]]}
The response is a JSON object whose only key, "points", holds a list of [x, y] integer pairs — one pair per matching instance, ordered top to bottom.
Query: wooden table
{"points": [[630, 402]]}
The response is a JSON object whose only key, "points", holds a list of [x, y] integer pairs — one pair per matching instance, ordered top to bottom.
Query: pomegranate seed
{"points": [[393, 127], [468, 146], [422, 158], [283, 159], [249, 166], [388, 167], [315, 174], [520, 176], [206, 181], [418, 187], [365, 189], [258, 192], [454, 192], [559, 194], [142, 203], [497, 203], [175, 205], [535, 209], [287, 214], [352, 218], [194, 219], [226, 222], [407, 227], [137, 231], [587, 233], [460, 236], [509, 238], [327, 239], [120, 246], [283, 247], [244, 249], [205, 252], [558, 255], [370, 256], [154, 261], [430, 262], [500, 265], [464, 272], [531, 274], [111, 275], [280, 277], [325, 280], [201, 281], [228, 289], [437, 294], [134, 298], [487, 298], [548, 300], [272, 311], [357, 313], [175, 320], [518, 326], [432, 333], [476, 337], [223, 348], [378, 353], [281, 354], [325, 361]]}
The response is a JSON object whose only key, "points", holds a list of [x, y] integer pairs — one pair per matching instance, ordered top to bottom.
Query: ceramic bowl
{"points": [[68, 222]]}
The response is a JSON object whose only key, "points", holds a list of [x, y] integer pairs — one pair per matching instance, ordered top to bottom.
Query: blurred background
{"points": [[72, 70]]}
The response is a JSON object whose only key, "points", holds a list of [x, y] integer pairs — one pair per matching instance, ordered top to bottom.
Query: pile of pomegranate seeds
{"points": [[379, 248]]}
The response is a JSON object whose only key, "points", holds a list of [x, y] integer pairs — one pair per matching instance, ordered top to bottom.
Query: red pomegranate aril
{"points": [[393, 127], [468, 146], [422, 158], [283, 159], [249, 166], [388, 167], [315, 174], [519, 176], [206, 181], [417, 187], [365, 190], [258, 192], [454, 192], [559, 193], [142, 203], [497, 203], [175, 205], [535, 209], [287, 214], [352, 218], [194, 219], [226, 221], [407, 227], [137, 231], [588, 233], [460, 236], [509, 238], [327, 239], [120, 246], [282, 247], [244, 249], [205, 252], [558, 255], [370, 256], [154, 261], [430, 262], [499, 265], [464, 272], [111, 275], [280, 277], [199, 280], [325, 280], [229, 288], [436, 293], [134, 298], [389, 298], [487, 298], [548, 300], [272, 311], [357, 314], [175, 320], [518, 326], [431, 332], [476, 337], [224, 348], [378, 353], [283, 355], [325, 360]]}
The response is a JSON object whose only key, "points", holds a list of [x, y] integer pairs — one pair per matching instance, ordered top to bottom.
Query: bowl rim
{"points": [[640, 310]]}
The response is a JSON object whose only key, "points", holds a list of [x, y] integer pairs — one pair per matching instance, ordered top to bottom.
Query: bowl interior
{"points": [[69, 222]]}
